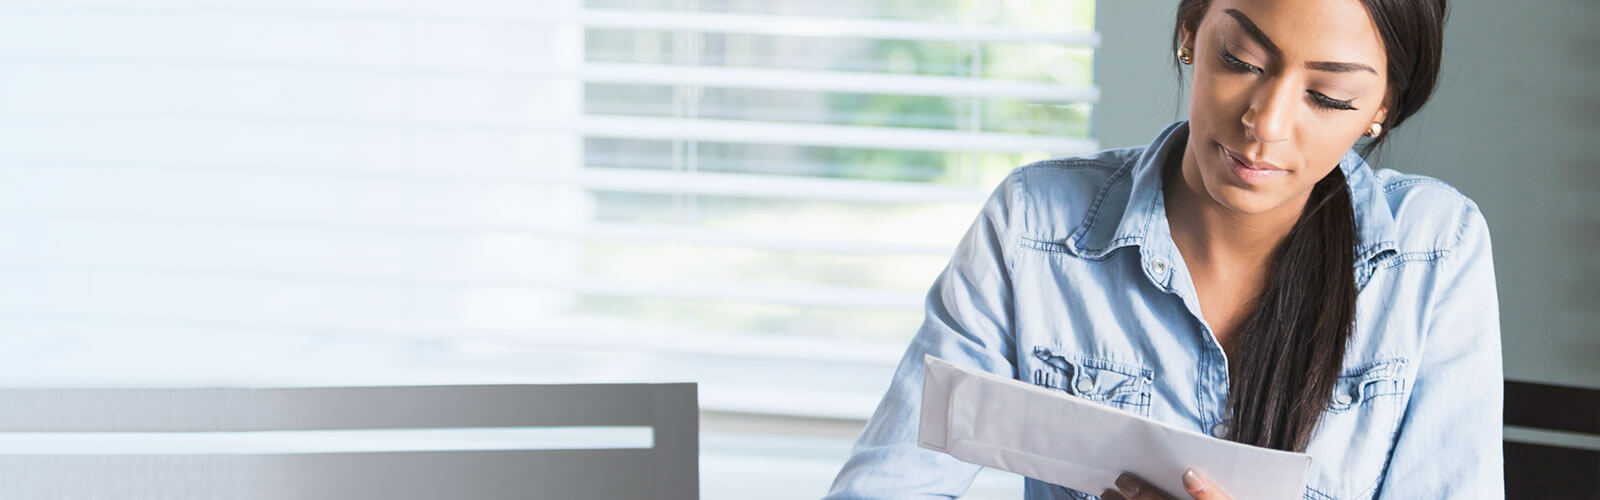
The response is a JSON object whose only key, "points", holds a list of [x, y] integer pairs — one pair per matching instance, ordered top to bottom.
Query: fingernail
{"points": [[1192, 482], [1128, 485]]}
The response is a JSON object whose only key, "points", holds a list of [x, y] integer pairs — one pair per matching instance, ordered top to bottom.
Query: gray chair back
{"points": [[74, 443]]}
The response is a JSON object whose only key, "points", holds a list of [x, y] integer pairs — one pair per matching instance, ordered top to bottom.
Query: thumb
{"points": [[1201, 488]]}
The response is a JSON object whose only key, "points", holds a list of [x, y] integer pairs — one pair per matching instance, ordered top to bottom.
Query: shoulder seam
{"points": [[1070, 163], [1416, 180], [1467, 216], [1439, 255]]}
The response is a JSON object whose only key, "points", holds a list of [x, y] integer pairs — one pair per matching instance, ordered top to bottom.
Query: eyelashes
{"points": [[1236, 64], [1321, 99], [1329, 102]]}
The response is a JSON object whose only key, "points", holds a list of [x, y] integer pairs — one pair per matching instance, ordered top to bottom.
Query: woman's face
{"points": [[1281, 90]]}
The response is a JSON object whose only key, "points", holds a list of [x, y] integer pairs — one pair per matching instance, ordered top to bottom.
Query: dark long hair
{"points": [[1291, 348]]}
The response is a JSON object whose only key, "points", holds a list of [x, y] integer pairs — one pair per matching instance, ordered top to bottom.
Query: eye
{"points": [[1235, 63], [1329, 102]]}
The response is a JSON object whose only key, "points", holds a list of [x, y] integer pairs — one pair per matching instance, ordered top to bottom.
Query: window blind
{"points": [[681, 180]]}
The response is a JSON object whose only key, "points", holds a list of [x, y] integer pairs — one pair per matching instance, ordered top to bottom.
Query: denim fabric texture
{"points": [[1069, 279]]}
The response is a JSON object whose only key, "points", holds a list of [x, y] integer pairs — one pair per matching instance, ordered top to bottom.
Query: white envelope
{"points": [[994, 421]]}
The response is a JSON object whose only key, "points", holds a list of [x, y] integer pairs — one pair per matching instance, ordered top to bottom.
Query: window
{"points": [[753, 179], [783, 180], [754, 195]]}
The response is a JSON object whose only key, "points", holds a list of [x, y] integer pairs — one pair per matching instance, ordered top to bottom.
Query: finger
{"points": [[1134, 488], [1201, 488], [1111, 495]]}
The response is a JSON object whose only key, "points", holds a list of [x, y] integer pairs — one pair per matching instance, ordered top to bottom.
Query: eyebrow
{"points": [[1255, 32], [1340, 67]]}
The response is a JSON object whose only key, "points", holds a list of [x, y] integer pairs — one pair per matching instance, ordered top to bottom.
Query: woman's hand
{"points": [[1133, 488]]}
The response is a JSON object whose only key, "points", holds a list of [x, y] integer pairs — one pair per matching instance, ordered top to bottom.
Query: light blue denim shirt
{"points": [[1069, 279]]}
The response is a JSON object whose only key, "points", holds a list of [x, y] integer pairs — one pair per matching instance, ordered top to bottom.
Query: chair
{"points": [[96, 461]]}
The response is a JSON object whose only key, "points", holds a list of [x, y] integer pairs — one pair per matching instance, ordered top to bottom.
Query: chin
{"points": [[1242, 200]]}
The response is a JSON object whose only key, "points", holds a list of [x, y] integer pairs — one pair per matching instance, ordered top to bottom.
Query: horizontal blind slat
{"points": [[609, 18], [833, 27], [594, 72], [833, 81], [633, 127], [826, 135], [637, 180], [762, 186], [605, 232], [836, 297], [804, 347]]}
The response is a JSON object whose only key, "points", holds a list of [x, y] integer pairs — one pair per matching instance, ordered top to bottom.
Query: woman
{"points": [[1246, 275]]}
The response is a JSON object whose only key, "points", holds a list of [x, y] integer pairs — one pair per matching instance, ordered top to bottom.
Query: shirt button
{"points": [[1158, 266], [1084, 385], [1341, 399], [1219, 430]]}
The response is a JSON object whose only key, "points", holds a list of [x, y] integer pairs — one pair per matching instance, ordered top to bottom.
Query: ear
{"points": [[1189, 19]]}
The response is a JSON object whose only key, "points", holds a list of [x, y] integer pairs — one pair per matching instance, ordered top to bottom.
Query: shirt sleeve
{"points": [[967, 322], [1449, 442]]}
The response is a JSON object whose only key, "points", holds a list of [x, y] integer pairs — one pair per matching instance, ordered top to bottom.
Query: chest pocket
{"points": [[1115, 384], [1353, 438]]}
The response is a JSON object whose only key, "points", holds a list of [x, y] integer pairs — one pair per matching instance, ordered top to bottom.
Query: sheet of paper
{"points": [[994, 421]]}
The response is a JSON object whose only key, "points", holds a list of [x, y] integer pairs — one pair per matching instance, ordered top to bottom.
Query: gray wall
{"points": [[1513, 125]]}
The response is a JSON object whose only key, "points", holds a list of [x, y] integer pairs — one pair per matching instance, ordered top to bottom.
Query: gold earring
{"points": [[1185, 56], [1374, 129]]}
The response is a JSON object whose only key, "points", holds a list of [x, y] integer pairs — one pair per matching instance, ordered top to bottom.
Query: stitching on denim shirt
{"points": [[1065, 163], [1070, 163], [1404, 183], [1013, 208], [1092, 215], [1461, 231], [1045, 246], [1056, 247], [1375, 251], [1437, 254], [1370, 258], [1381, 258], [1403, 258], [1398, 361], [1106, 363], [1371, 374], [1141, 379], [1397, 388], [1383, 472], [1315, 494], [1078, 495]]}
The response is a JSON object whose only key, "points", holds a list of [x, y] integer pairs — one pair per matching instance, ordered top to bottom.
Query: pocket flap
{"points": [[1093, 378], [1362, 384]]}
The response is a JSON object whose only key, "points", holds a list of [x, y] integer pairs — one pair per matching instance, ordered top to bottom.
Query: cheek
{"points": [[1218, 97], [1327, 138]]}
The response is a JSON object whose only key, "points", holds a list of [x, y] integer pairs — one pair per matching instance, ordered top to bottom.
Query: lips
{"points": [[1246, 163], [1250, 172]]}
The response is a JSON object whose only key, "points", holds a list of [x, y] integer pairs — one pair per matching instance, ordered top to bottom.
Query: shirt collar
{"points": [[1132, 200]]}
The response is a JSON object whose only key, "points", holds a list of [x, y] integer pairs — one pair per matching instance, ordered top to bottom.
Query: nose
{"points": [[1268, 118]]}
